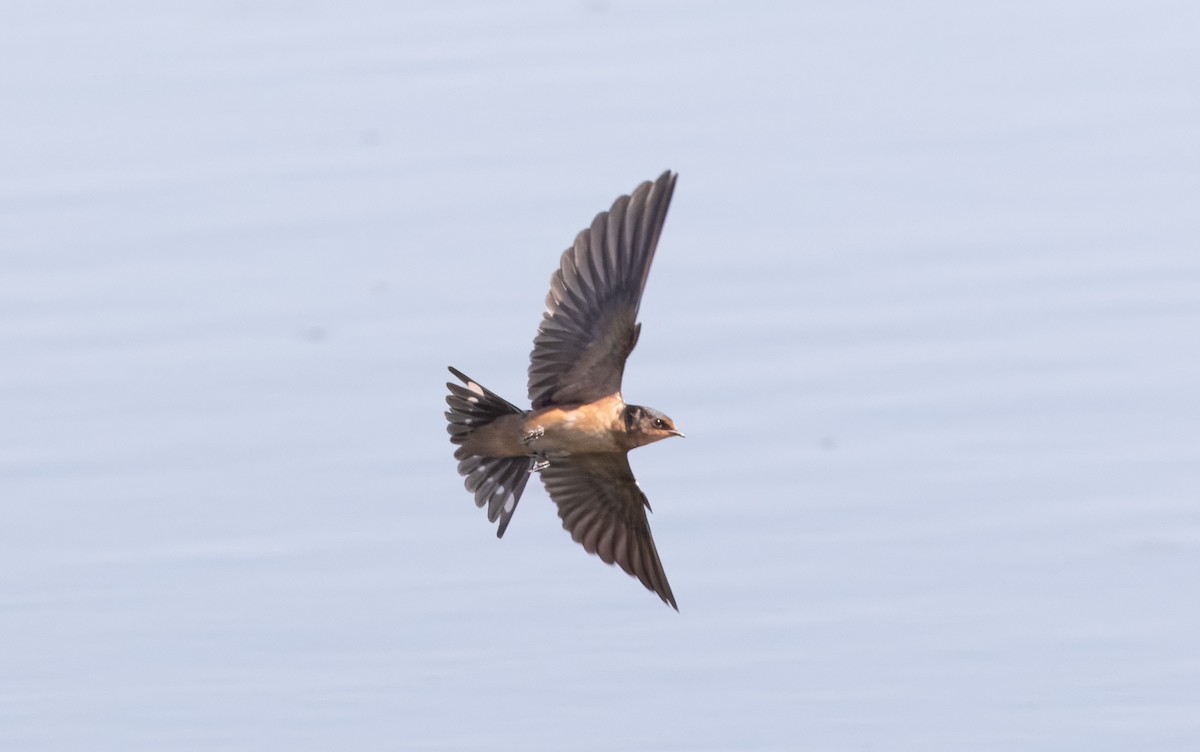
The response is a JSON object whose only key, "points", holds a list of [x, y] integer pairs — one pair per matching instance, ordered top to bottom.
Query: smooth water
{"points": [[927, 306]]}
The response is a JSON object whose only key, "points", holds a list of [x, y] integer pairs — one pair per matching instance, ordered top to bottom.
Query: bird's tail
{"points": [[497, 482]]}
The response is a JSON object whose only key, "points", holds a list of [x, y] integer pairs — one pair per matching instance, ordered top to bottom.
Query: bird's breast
{"points": [[578, 429]]}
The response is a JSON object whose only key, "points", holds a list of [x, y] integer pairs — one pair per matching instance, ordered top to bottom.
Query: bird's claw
{"points": [[533, 435], [537, 463]]}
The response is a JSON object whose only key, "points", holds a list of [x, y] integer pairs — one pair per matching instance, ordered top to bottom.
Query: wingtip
{"points": [[665, 592]]}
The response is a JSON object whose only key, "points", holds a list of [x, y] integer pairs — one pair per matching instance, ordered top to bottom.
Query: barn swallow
{"points": [[579, 431]]}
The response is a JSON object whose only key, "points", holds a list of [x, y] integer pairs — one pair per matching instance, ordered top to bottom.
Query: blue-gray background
{"points": [[927, 305]]}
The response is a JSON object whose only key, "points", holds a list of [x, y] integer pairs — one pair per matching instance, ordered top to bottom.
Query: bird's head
{"points": [[646, 425]]}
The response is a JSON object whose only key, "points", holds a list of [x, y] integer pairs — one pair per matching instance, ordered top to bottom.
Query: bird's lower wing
{"points": [[603, 509]]}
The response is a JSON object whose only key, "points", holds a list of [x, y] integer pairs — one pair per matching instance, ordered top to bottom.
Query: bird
{"points": [[579, 430]]}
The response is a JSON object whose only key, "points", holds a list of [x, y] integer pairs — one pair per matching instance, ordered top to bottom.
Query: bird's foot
{"points": [[533, 435], [537, 463]]}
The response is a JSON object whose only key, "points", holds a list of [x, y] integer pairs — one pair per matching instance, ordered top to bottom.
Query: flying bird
{"points": [[579, 430]]}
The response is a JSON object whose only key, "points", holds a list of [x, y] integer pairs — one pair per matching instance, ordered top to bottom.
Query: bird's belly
{"points": [[594, 427]]}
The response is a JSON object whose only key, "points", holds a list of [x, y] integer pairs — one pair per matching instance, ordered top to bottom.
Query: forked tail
{"points": [[497, 482]]}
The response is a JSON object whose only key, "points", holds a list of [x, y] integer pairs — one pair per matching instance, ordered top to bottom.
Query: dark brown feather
{"points": [[590, 324], [496, 482], [603, 509]]}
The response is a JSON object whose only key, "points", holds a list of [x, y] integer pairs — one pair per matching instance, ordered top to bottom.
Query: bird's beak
{"points": [[677, 433]]}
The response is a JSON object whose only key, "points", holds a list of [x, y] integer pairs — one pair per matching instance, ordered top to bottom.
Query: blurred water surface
{"points": [[926, 305]]}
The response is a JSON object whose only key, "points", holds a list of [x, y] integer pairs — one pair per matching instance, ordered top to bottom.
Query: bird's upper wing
{"points": [[590, 325], [602, 507]]}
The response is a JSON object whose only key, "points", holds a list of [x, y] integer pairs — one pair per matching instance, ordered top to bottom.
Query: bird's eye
{"points": [[660, 423]]}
